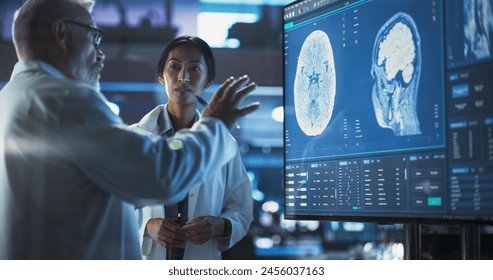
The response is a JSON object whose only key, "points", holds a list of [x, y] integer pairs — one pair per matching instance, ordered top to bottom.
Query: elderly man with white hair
{"points": [[71, 172]]}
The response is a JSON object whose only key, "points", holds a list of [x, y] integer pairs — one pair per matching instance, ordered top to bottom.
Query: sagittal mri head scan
{"points": [[478, 28], [396, 68], [315, 85]]}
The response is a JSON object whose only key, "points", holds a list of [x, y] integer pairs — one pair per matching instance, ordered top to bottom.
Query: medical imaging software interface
{"points": [[388, 109]]}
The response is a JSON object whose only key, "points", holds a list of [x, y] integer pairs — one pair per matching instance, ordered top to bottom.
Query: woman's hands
{"points": [[204, 228], [197, 231], [166, 232]]}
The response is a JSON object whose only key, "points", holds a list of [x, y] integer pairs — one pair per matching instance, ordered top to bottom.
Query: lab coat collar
{"points": [[36, 65]]}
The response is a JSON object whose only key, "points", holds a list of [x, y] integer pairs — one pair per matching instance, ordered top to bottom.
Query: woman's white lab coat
{"points": [[227, 194]]}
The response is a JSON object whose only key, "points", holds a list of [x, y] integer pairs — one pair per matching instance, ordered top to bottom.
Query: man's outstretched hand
{"points": [[225, 104]]}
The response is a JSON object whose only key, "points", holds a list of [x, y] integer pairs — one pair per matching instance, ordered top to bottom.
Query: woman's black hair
{"points": [[196, 41]]}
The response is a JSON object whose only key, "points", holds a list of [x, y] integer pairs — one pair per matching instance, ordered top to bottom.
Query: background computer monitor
{"points": [[388, 110]]}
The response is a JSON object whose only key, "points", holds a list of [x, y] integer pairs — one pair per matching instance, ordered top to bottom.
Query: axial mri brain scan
{"points": [[315, 85]]}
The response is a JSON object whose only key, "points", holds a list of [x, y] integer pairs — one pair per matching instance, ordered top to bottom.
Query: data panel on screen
{"points": [[370, 89]]}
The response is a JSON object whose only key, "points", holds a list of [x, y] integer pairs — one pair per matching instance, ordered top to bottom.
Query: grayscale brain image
{"points": [[396, 66], [315, 84]]}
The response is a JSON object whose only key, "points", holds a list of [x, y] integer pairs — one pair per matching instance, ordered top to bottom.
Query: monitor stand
{"points": [[412, 241], [469, 242], [470, 247]]}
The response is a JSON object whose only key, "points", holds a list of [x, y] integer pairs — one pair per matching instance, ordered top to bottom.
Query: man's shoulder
{"points": [[45, 79], [65, 88]]}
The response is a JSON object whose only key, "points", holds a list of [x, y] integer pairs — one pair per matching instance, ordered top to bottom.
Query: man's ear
{"points": [[59, 32], [161, 80], [208, 84]]}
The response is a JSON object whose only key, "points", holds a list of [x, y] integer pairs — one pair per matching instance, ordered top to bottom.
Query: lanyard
{"points": [[179, 214]]}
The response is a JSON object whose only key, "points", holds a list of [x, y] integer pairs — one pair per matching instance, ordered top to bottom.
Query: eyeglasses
{"points": [[98, 36]]}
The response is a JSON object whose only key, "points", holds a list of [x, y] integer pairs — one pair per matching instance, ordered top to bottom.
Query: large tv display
{"points": [[388, 110]]}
